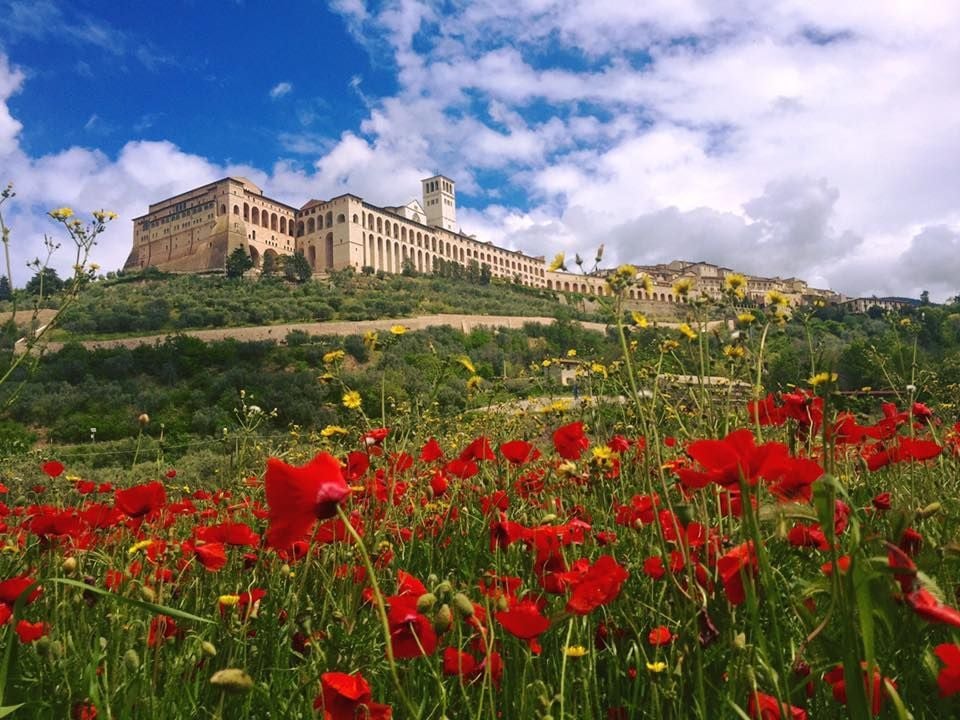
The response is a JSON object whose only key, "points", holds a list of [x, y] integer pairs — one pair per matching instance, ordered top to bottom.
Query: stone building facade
{"points": [[197, 230]]}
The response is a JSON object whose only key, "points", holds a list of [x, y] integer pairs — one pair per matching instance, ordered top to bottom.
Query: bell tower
{"points": [[440, 202]]}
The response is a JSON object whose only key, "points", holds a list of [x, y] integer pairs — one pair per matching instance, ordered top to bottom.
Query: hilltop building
{"points": [[197, 230]]}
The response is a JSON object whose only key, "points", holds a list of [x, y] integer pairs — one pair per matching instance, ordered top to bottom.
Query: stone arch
{"points": [[223, 209], [236, 209], [255, 216], [329, 218], [341, 218], [265, 219], [356, 219], [273, 221], [283, 225], [379, 225], [311, 226], [300, 229], [396, 231], [403, 234], [328, 251], [272, 253], [384, 253], [255, 256], [312, 256], [372, 256], [462, 256], [420, 260], [427, 262], [397, 267], [549, 284]]}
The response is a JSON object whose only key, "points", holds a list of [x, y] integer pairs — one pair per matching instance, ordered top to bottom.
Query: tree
{"points": [[238, 262], [269, 266], [297, 267], [44, 282], [5, 292], [925, 297]]}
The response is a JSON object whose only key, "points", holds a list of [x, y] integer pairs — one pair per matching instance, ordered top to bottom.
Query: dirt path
{"points": [[278, 333]]}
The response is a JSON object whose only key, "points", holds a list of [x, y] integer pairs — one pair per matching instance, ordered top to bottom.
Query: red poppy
{"points": [[375, 436], [570, 441], [479, 449], [431, 451], [519, 452], [53, 468], [299, 496], [141, 500], [881, 501], [236, 534], [213, 556], [739, 561], [600, 585], [13, 588], [924, 604], [525, 621], [162, 627], [29, 632], [411, 633], [659, 636], [457, 662], [949, 677], [875, 689], [346, 697], [767, 707]]}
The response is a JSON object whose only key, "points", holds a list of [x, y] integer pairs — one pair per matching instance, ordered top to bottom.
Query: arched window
{"points": [[223, 209], [236, 209], [246, 211], [255, 216], [329, 217], [341, 218], [265, 219], [356, 219], [273, 221], [283, 225], [379, 225], [311, 226], [300, 229], [396, 231], [403, 234], [433, 244], [328, 254], [312, 256], [372, 256], [420, 260], [380, 265]]}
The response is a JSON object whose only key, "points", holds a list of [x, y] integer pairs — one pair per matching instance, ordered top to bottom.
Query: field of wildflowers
{"points": [[673, 557]]}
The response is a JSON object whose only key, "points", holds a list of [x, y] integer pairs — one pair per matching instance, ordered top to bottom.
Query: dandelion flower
{"points": [[62, 213], [557, 263], [736, 284], [683, 286], [777, 298], [745, 318], [638, 319], [398, 330], [688, 332], [572, 352], [333, 356], [822, 379], [351, 400], [331, 430], [575, 651], [656, 667]]}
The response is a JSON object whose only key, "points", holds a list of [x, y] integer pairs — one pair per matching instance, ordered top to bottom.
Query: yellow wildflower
{"points": [[61, 213], [103, 216], [557, 263], [645, 282], [736, 284], [683, 286], [777, 298], [745, 318], [638, 319], [398, 330], [688, 332], [370, 339], [669, 345], [734, 351], [572, 352], [333, 356], [547, 363], [467, 364], [598, 368], [325, 378], [822, 379], [474, 382], [352, 400], [331, 430], [137, 547], [228, 600], [575, 651], [657, 667]]}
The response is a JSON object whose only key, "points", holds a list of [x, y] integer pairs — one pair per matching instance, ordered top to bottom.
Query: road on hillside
{"points": [[278, 333]]}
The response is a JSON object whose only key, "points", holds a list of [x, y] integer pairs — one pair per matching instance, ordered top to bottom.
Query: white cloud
{"points": [[280, 89]]}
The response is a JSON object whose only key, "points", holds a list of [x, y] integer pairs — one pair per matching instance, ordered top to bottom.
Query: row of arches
{"points": [[268, 220], [313, 224]]}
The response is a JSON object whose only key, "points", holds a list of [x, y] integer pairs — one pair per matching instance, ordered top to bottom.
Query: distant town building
{"points": [[197, 230]]}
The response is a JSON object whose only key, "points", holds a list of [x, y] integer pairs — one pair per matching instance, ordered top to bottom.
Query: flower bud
{"points": [[143, 419], [928, 511], [69, 565], [444, 588], [148, 593], [426, 602], [463, 604], [443, 618], [208, 648], [131, 661], [232, 680]]}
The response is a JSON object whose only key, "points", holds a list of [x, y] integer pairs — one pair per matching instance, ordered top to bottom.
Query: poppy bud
{"points": [[144, 419], [928, 511], [684, 513], [546, 519], [69, 565], [285, 570], [444, 588], [148, 594], [426, 602], [502, 603], [463, 604], [443, 619], [740, 641], [208, 648], [131, 661], [233, 680]]}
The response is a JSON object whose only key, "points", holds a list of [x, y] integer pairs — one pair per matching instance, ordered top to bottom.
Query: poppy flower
{"points": [[570, 441], [479, 449], [431, 451], [519, 452], [52, 468], [298, 496], [141, 500], [236, 534], [213, 556], [732, 567], [600, 585], [13, 588], [924, 604], [524, 621], [162, 627], [29, 632], [411, 633], [660, 636], [949, 677], [875, 689], [345, 697], [767, 707]]}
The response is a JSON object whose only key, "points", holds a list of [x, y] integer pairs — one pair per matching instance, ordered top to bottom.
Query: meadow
{"points": [[678, 554]]}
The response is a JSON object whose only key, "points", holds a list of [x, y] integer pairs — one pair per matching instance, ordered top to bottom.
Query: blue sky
{"points": [[800, 138]]}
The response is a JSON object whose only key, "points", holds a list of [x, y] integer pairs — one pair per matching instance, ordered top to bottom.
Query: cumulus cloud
{"points": [[280, 89]]}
